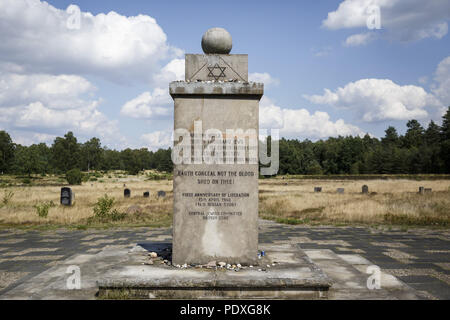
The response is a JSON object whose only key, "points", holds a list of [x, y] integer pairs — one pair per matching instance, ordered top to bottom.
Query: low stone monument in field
{"points": [[317, 189], [365, 189], [340, 190], [127, 193], [146, 194], [161, 194], [67, 196]]}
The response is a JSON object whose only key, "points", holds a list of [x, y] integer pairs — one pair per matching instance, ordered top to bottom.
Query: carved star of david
{"points": [[216, 72]]}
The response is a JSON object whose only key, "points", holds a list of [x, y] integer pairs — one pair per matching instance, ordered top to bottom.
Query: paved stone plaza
{"points": [[418, 257]]}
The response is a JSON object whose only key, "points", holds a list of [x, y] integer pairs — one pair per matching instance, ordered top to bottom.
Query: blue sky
{"points": [[326, 72]]}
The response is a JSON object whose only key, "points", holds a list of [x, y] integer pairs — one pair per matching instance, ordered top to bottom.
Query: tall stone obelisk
{"points": [[215, 179]]}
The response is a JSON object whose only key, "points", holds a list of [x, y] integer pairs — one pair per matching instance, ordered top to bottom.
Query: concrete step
{"points": [[285, 272]]}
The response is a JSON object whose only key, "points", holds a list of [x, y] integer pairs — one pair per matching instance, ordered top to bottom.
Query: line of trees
{"points": [[420, 150], [66, 153]]}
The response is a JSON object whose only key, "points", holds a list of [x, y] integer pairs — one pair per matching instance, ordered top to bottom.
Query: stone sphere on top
{"points": [[217, 41]]}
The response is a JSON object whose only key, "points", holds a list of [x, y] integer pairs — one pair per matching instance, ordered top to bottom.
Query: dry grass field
{"points": [[293, 201], [388, 202], [152, 211]]}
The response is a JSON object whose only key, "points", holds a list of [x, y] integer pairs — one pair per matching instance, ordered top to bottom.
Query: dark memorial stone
{"points": [[317, 189], [365, 189], [340, 190], [421, 190], [428, 190], [126, 193], [146, 194], [161, 194], [67, 196]]}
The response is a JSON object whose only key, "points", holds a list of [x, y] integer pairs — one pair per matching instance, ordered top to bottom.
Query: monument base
{"points": [[285, 272]]}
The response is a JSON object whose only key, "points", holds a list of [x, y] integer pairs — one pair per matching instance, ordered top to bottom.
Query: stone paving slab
{"points": [[418, 257]]}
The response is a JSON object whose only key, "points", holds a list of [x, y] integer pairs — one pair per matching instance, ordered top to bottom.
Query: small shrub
{"points": [[98, 175], [74, 176], [158, 176], [103, 206], [42, 208], [104, 212], [115, 215]]}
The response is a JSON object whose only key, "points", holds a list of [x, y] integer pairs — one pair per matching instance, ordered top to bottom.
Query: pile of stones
{"points": [[165, 259]]}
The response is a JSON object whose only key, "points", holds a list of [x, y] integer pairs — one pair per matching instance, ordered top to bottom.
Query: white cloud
{"points": [[402, 20], [35, 37], [359, 39], [321, 52], [173, 71], [265, 78], [441, 87], [59, 92], [379, 99], [156, 104], [149, 105], [39, 106], [300, 123], [26, 138], [157, 140]]}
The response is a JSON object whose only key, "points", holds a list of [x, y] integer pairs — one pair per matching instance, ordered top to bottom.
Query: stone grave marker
{"points": [[215, 182], [317, 189], [365, 189], [340, 190], [421, 190], [428, 190], [127, 193], [146, 194], [161, 194], [67, 196]]}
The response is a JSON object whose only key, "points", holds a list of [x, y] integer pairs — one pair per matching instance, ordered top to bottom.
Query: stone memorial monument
{"points": [[215, 156], [365, 189], [126, 193], [146, 194], [161, 194], [67, 196], [214, 250]]}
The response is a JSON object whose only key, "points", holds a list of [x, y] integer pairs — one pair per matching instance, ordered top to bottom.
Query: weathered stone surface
{"points": [[217, 40], [210, 67], [179, 89], [365, 189], [161, 194], [67, 196], [216, 204], [294, 276]]}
